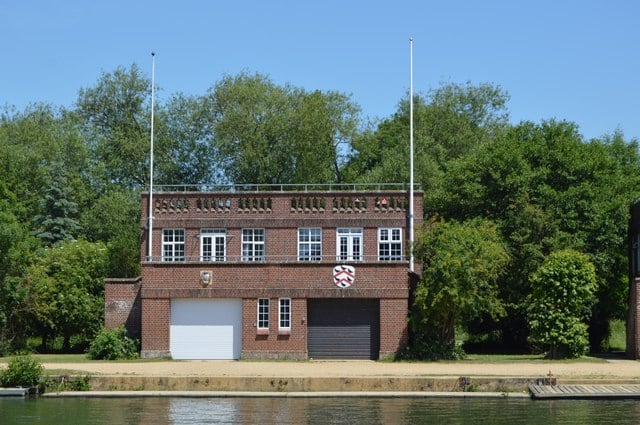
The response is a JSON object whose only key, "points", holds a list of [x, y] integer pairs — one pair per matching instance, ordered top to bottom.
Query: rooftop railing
{"points": [[302, 187], [271, 259]]}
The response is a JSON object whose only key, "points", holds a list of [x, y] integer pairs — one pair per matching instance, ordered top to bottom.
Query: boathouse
{"points": [[277, 272]]}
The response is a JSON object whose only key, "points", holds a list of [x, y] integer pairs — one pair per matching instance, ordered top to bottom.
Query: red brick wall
{"points": [[122, 305], [274, 344]]}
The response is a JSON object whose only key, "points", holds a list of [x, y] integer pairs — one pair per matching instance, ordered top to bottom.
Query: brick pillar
{"points": [[393, 326], [155, 327]]}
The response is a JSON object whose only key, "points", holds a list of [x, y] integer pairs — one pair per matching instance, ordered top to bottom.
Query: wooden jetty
{"points": [[590, 391]]}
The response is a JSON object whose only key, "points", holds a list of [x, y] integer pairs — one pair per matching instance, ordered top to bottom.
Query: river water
{"points": [[352, 411]]}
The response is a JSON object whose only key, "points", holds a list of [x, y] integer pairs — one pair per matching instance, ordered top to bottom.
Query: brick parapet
{"points": [[122, 304]]}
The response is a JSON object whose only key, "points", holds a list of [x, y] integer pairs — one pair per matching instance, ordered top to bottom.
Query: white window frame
{"points": [[253, 240], [390, 240], [216, 241], [173, 244], [309, 244], [349, 244], [264, 310], [284, 315]]}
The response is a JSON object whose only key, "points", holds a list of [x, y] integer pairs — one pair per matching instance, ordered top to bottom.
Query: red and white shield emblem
{"points": [[343, 276]]}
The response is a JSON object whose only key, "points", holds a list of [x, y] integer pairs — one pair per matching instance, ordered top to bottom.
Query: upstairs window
{"points": [[252, 244], [309, 244], [349, 244], [390, 244], [173, 245], [213, 245]]}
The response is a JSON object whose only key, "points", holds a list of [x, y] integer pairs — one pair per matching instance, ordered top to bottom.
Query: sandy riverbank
{"points": [[608, 369]]}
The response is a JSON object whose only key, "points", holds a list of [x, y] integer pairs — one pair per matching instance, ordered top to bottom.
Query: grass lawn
{"points": [[515, 358]]}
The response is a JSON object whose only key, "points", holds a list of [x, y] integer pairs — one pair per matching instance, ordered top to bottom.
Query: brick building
{"points": [[271, 274], [633, 318]]}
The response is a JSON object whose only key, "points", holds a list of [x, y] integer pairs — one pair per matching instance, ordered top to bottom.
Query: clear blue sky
{"points": [[564, 59]]}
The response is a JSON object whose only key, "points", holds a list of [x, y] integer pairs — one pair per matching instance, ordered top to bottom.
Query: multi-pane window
{"points": [[252, 244], [309, 244], [349, 244], [390, 244], [173, 245], [213, 245], [263, 313], [284, 316]]}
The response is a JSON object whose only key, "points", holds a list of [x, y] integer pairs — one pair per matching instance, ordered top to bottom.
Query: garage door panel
{"points": [[206, 329], [347, 329]]}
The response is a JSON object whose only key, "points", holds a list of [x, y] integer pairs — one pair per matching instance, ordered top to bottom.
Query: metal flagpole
{"points": [[411, 234], [150, 243]]}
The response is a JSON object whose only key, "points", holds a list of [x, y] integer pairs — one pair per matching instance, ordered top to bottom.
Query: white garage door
{"points": [[206, 329]]}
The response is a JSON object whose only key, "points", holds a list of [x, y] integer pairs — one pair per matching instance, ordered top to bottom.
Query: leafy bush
{"points": [[562, 293], [113, 344], [430, 348], [22, 371]]}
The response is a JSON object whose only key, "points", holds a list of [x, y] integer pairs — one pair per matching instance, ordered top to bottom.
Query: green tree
{"points": [[251, 117], [116, 118], [185, 122], [450, 122], [323, 129], [271, 134], [32, 143], [548, 189], [114, 219], [58, 221], [16, 251], [462, 263], [66, 290], [562, 293]]}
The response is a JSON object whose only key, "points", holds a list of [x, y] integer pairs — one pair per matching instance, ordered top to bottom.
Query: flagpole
{"points": [[411, 218], [150, 243]]}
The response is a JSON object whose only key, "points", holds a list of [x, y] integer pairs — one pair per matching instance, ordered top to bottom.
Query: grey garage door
{"points": [[343, 328]]}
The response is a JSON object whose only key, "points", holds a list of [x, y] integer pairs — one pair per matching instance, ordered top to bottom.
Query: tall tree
{"points": [[116, 115], [252, 116], [448, 123], [324, 127], [271, 134], [34, 141], [192, 157], [548, 189], [59, 219], [114, 219], [462, 263], [66, 290]]}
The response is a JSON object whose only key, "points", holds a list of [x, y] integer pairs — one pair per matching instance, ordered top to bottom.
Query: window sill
{"points": [[262, 331], [284, 331]]}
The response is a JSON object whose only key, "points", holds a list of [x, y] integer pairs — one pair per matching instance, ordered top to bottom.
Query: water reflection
{"points": [[178, 411]]}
